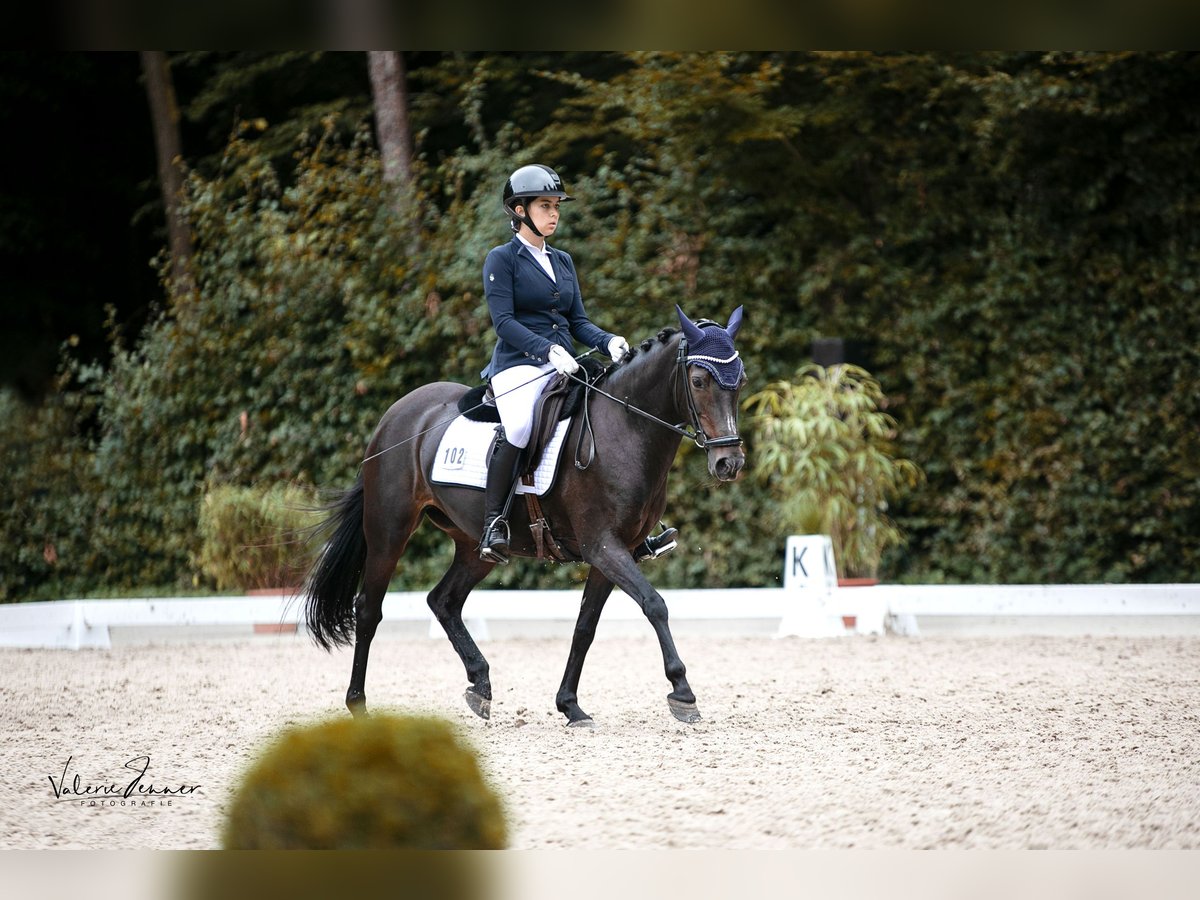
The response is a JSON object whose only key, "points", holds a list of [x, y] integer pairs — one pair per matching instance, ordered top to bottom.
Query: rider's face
{"points": [[544, 213]]}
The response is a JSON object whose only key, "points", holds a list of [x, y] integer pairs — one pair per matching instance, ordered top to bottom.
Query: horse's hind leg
{"points": [[595, 593], [446, 601], [368, 609], [368, 612]]}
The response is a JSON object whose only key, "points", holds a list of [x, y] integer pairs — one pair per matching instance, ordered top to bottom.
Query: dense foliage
{"points": [[1013, 238], [46, 495]]}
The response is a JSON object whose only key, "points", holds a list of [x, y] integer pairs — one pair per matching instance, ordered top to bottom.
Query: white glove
{"points": [[617, 348], [563, 361]]}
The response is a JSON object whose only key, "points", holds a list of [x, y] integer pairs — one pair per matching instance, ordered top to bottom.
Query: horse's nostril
{"points": [[729, 467]]}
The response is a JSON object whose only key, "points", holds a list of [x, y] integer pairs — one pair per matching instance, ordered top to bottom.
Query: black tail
{"points": [[334, 579]]}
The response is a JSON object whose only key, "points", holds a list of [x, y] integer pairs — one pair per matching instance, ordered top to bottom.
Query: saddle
{"points": [[560, 400]]}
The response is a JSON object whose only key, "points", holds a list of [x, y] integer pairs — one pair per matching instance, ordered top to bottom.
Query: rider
{"points": [[536, 308]]}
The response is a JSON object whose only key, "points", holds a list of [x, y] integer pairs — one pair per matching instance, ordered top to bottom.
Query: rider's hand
{"points": [[617, 348], [563, 361]]}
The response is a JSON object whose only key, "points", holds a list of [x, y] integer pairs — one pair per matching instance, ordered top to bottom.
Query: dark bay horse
{"points": [[598, 514]]}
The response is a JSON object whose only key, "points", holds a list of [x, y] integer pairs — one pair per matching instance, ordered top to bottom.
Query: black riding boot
{"points": [[501, 481], [656, 545]]}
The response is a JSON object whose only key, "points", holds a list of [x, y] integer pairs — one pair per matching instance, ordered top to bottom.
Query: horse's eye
{"points": [[697, 381]]}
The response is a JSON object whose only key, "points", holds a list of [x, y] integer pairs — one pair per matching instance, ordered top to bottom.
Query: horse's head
{"points": [[714, 378]]}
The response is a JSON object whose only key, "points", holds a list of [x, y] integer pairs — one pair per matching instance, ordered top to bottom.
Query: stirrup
{"points": [[656, 545], [493, 546]]}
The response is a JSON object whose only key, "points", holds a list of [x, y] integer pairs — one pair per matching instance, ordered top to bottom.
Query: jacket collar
{"points": [[523, 250]]}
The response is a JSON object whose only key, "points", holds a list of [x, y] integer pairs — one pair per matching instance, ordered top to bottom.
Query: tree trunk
{"points": [[390, 96], [164, 112]]}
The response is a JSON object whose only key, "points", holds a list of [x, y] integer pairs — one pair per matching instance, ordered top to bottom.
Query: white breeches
{"points": [[517, 390]]}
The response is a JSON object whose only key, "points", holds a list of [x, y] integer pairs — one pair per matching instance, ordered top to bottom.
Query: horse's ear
{"points": [[735, 322], [691, 330]]}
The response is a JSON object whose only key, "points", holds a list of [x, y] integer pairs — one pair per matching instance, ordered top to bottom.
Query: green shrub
{"points": [[312, 315], [825, 447], [256, 537], [377, 783]]}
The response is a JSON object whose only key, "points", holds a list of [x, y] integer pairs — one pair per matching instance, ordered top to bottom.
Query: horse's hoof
{"points": [[480, 705], [358, 708], [684, 712], [587, 722]]}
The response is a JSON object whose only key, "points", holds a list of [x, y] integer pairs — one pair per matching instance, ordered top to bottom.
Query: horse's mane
{"points": [[639, 354]]}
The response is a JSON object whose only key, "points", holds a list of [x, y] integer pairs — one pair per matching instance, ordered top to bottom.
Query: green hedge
{"points": [[1012, 236], [46, 496]]}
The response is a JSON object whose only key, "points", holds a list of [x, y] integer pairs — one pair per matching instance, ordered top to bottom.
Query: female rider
{"points": [[537, 310]]}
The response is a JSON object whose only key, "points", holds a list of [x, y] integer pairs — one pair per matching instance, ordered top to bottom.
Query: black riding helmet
{"points": [[528, 182]]}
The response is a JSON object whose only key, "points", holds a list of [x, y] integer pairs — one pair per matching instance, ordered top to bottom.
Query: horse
{"points": [[597, 512]]}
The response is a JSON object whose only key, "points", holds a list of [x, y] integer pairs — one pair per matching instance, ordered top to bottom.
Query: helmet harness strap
{"points": [[524, 203]]}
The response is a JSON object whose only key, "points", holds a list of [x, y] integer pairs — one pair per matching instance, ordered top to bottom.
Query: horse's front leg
{"points": [[616, 563], [595, 593]]}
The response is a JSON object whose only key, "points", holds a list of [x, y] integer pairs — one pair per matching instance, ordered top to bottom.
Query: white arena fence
{"points": [[810, 613]]}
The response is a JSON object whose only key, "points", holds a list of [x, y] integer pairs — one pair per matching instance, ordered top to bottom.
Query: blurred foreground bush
{"points": [[378, 783]]}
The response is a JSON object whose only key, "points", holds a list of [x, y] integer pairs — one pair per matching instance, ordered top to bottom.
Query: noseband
{"points": [[703, 441]]}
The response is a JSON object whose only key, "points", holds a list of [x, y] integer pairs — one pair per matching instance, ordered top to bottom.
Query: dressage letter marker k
{"points": [[798, 561], [809, 571]]}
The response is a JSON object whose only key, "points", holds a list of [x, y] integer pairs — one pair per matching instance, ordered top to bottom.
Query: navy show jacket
{"points": [[530, 312]]}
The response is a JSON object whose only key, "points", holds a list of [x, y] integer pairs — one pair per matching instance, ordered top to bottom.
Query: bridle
{"points": [[693, 430], [703, 441]]}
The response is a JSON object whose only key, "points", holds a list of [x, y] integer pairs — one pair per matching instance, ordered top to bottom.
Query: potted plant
{"points": [[824, 446], [253, 539]]}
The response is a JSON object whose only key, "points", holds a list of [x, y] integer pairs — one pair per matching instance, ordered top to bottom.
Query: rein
{"points": [[692, 431]]}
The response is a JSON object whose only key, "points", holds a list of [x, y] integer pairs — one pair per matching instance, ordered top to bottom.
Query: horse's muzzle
{"points": [[728, 467]]}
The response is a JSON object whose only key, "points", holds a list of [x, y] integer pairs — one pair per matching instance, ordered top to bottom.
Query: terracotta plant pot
{"points": [[852, 621], [274, 627]]}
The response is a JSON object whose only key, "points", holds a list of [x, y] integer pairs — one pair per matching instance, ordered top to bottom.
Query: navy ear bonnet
{"points": [[711, 347]]}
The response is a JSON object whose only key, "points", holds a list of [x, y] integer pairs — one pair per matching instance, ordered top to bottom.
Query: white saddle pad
{"points": [[461, 457]]}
